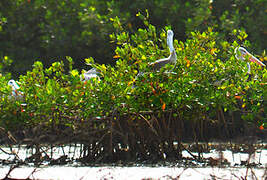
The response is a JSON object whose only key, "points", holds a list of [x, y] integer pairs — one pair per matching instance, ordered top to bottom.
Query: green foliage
{"points": [[51, 30], [206, 80]]}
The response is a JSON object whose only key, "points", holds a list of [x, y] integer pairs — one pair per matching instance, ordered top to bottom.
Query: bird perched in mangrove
{"points": [[241, 53], [158, 64], [92, 73], [15, 87]]}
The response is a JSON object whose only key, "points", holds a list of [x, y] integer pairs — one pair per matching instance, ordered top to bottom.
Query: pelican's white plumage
{"points": [[172, 57], [158, 64], [92, 73], [15, 87]]}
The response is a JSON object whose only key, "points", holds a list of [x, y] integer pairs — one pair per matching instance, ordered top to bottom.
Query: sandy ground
{"points": [[134, 173]]}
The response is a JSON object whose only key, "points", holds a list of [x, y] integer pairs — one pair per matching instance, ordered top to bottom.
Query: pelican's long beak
{"points": [[256, 60]]}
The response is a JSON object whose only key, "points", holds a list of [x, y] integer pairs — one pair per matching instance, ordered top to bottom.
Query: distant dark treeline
{"points": [[49, 30]]}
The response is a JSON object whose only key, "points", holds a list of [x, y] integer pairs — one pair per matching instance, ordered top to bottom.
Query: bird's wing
{"points": [[159, 63], [92, 71], [88, 76]]}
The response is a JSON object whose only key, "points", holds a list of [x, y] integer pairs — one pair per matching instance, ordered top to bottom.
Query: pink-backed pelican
{"points": [[241, 53]]}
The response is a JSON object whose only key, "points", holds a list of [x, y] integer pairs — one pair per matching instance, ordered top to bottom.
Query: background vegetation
{"points": [[49, 31], [207, 94]]}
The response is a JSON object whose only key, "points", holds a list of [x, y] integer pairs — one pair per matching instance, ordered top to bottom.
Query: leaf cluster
{"points": [[207, 79]]}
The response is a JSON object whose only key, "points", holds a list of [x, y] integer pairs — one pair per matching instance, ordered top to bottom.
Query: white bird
{"points": [[241, 53], [172, 57], [158, 64], [92, 73], [15, 87]]}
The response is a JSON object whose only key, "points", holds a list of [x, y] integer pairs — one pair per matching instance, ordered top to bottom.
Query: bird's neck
{"points": [[170, 43], [171, 46], [171, 49], [172, 56], [248, 65]]}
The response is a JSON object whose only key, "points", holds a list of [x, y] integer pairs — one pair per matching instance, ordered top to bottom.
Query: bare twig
{"points": [[153, 129], [10, 170]]}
